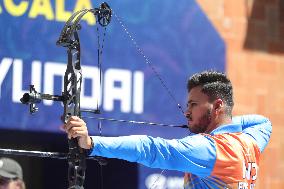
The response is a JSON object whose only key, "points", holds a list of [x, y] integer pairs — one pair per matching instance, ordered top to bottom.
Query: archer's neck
{"points": [[218, 122]]}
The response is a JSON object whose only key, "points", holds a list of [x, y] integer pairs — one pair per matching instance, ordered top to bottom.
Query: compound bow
{"points": [[69, 38]]}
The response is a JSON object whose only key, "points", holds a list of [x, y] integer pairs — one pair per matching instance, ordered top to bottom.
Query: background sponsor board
{"points": [[176, 38]]}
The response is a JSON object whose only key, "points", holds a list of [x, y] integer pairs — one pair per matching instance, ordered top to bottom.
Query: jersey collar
{"points": [[229, 128]]}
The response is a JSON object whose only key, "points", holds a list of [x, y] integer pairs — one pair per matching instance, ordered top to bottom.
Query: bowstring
{"points": [[99, 64], [131, 121], [157, 179]]}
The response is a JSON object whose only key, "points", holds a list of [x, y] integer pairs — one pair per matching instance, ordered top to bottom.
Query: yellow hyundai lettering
{"points": [[85, 4], [41, 7], [45, 8], [15, 10], [61, 14]]}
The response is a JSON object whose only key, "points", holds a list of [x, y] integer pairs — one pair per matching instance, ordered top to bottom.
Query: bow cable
{"points": [[148, 62]]}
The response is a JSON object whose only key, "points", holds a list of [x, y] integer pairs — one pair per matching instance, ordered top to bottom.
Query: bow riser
{"points": [[72, 90]]}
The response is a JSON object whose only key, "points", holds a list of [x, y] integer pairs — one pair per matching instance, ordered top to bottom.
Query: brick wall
{"points": [[254, 34]]}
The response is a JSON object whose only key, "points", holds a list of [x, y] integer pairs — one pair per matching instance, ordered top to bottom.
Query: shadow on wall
{"points": [[265, 30]]}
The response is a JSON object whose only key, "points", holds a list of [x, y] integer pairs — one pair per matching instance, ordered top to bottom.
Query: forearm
{"points": [[251, 120], [257, 127], [126, 148]]}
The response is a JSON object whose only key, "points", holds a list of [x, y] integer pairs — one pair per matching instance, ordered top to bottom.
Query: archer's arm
{"points": [[257, 127], [195, 154]]}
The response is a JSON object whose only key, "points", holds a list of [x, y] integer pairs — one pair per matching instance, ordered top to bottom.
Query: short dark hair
{"points": [[215, 85]]}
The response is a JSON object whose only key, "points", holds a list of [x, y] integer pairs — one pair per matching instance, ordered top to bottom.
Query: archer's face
{"points": [[198, 111]]}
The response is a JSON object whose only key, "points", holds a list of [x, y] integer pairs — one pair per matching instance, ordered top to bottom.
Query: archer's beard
{"points": [[202, 125]]}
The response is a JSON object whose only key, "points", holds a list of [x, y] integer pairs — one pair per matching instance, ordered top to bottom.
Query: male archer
{"points": [[224, 152]]}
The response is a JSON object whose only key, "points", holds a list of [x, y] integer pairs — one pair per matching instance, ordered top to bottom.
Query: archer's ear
{"points": [[218, 104]]}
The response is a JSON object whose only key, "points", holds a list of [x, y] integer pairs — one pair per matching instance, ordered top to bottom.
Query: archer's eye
{"points": [[191, 104]]}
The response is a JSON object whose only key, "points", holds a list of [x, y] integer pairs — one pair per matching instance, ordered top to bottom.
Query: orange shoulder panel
{"points": [[237, 158]]}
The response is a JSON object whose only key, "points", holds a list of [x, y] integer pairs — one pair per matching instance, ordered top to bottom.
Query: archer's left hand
{"points": [[77, 128]]}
